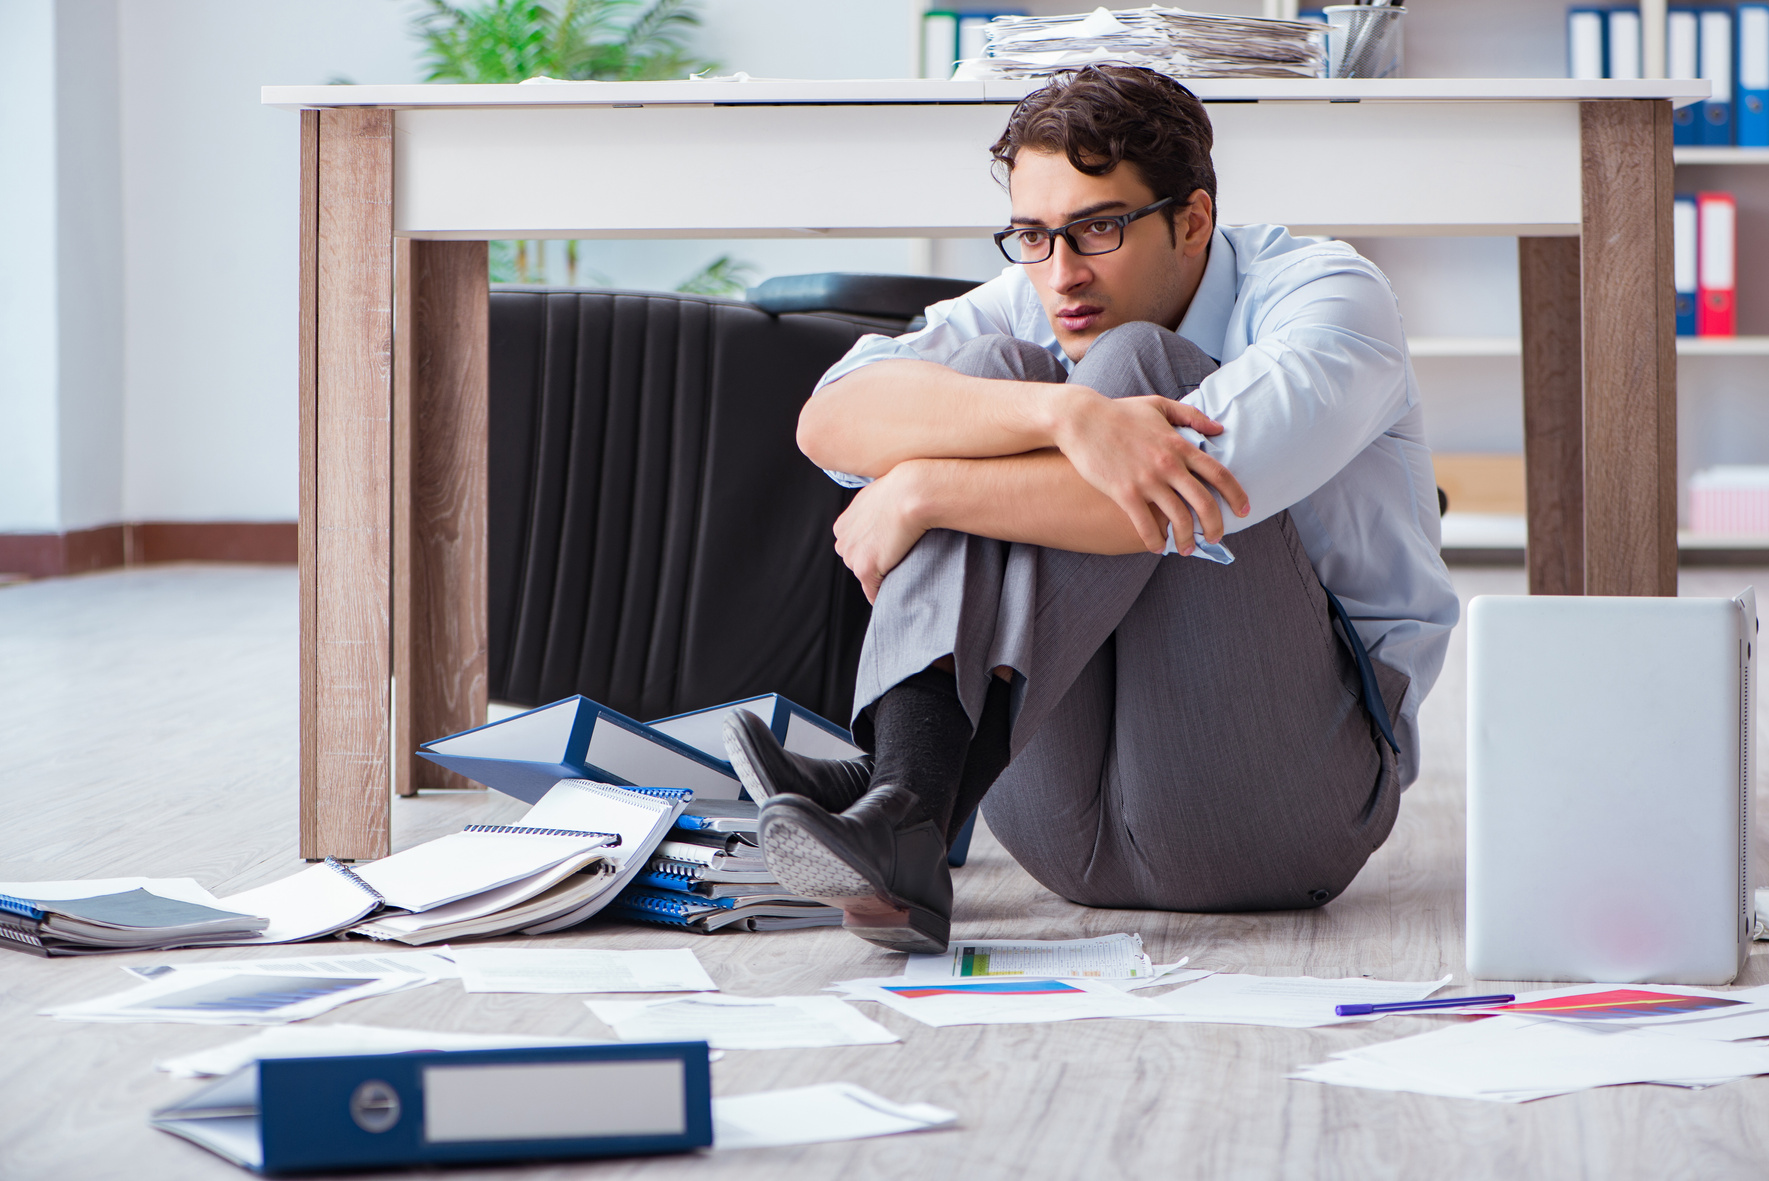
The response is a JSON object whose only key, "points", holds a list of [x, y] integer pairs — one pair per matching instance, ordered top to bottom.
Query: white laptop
{"points": [[1609, 749]]}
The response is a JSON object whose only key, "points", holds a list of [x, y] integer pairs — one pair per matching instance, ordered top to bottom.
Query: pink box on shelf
{"points": [[1731, 500]]}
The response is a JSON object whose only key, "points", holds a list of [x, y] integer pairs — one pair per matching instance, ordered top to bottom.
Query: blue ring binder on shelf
{"points": [[299, 1115]]}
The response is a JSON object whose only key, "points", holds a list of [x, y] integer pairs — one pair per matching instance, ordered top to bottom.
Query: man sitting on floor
{"points": [[1159, 718]]}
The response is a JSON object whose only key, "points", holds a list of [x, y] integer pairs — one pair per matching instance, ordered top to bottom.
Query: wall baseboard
{"points": [[47, 555]]}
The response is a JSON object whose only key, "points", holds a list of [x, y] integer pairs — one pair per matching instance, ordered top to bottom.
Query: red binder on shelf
{"points": [[1717, 272]]}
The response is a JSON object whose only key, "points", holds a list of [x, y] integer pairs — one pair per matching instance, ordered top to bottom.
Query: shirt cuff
{"points": [[1210, 551]]}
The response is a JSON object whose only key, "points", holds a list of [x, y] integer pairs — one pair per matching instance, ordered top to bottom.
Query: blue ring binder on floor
{"points": [[298, 1115]]}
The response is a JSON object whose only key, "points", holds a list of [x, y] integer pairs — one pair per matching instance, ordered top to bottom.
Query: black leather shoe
{"points": [[767, 769], [890, 879]]}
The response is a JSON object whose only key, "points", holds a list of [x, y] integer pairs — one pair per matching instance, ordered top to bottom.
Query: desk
{"points": [[402, 185]]}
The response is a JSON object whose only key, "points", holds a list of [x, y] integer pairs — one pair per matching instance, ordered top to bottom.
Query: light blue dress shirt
{"points": [[1320, 415]]}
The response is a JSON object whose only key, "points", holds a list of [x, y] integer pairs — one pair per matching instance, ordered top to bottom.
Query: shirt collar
{"points": [[1206, 320]]}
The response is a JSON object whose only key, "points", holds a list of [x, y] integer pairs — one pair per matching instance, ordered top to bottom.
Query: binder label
{"points": [[554, 1100]]}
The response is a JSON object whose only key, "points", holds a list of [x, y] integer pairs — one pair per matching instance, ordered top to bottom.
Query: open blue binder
{"points": [[796, 728], [577, 738], [299, 1115]]}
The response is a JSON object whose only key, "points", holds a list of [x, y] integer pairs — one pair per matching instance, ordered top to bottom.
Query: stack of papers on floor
{"points": [[1168, 40], [560, 864], [709, 875], [117, 914], [257, 992], [1570, 1039], [1515, 1059]]}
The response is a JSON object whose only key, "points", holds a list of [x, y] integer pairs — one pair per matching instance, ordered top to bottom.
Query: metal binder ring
{"points": [[374, 1106]]}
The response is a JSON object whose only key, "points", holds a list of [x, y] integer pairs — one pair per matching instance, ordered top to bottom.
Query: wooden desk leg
{"points": [[1630, 358], [1553, 414], [346, 444], [439, 502]]}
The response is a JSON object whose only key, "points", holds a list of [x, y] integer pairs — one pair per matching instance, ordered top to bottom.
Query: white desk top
{"points": [[914, 90]]}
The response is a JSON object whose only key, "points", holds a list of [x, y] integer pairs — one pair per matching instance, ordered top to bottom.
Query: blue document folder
{"points": [[1683, 60], [1716, 66], [1752, 109], [1683, 261], [796, 728], [576, 738], [301, 1115]]}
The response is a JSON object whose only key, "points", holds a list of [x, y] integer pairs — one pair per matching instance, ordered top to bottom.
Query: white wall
{"points": [[210, 180], [30, 499]]}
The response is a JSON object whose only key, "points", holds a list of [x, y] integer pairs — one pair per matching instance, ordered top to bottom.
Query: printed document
{"points": [[1109, 957], [510, 969], [257, 992], [1015, 1001], [1296, 1002], [1642, 1005], [743, 1023], [1514, 1059], [816, 1115]]}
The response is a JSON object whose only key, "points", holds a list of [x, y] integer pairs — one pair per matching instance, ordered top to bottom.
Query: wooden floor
{"points": [[148, 720]]}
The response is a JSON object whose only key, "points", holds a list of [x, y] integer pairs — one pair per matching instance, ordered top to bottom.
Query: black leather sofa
{"points": [[656, 540]]}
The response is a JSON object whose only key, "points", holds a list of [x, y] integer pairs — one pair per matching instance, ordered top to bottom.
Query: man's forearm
{"points": [[891, 411], [1037, 498]]}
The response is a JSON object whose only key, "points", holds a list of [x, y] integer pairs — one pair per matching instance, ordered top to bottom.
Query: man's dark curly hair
{"points": [[1104, 116]]}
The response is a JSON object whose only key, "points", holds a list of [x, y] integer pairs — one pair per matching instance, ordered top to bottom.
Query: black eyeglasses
{"points": [[1098, 234]]}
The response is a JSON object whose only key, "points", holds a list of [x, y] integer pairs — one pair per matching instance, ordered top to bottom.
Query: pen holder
{"points": [[1364, 40]]}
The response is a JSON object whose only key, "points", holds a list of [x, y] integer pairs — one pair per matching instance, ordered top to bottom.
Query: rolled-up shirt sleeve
{"points": [[986, 310], [1324, 376]]}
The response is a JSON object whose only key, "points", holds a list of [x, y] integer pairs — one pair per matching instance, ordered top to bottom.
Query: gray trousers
{"points": [[1186, 735]]}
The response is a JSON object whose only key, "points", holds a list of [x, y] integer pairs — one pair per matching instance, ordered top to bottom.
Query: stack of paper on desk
{"points": [[1168, 40], [1515, 1059]]}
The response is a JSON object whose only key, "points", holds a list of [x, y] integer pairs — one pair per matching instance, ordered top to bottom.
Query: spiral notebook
{"points": [[480, 857], [318, 901], [705, 915]]}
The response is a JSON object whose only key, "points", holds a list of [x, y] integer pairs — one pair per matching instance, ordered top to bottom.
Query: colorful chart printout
{"points": [[988, 988], [1619, 1003]]}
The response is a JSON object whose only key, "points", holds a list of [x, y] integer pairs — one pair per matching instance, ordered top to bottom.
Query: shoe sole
{"points": [[738, 749], [806, 866]]}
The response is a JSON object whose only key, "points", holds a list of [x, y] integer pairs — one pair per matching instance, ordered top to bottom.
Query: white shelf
{"points": [[1720, 155], [1509, 346], [1502, 531]]}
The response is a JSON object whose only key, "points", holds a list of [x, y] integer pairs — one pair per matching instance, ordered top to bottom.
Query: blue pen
{"points": [[1446, 1002]]}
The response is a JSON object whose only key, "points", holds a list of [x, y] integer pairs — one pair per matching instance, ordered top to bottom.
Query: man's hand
{"points": [[1129, 450], [880, 527]]}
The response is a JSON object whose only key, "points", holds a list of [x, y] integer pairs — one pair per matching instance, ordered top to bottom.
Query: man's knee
{"points": [[1142, 357], [1006, 358]]}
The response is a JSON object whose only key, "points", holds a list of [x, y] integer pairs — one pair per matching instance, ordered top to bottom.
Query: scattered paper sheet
{"points": [[1109, 957], [421, 966], [510, 969], [206, 997], [1000, 1002], [1295, 1002], [1631, 1004], [743, 1023], [327, 1041], [1514, 1059], [816, 1115]]}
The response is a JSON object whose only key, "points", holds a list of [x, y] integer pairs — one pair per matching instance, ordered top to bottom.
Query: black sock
{"points": [[921, 735], [987, 757]]}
